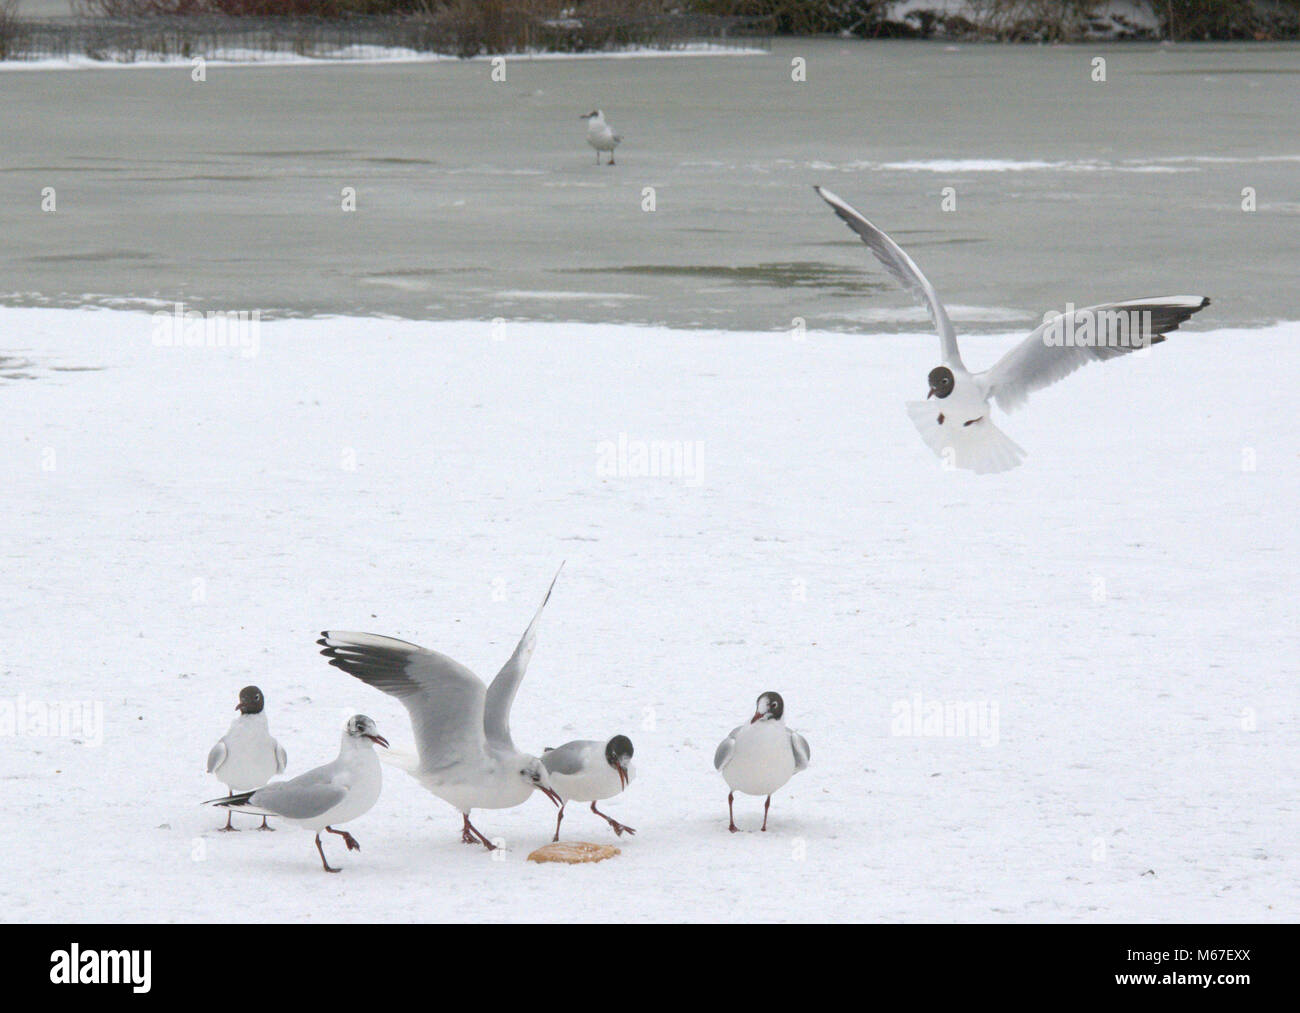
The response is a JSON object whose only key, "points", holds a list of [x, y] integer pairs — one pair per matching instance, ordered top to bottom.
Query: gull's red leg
{"points": [[766, 805], [731, 812], [619, 828], [477, 837], [348, 839], [328, 867]]}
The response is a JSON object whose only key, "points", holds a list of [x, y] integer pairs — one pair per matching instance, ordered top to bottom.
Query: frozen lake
{"points": [[479, 200]]}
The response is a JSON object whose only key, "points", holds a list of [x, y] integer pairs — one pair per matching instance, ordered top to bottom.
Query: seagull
{"points": [[600, 135], [957, 426], [462, 728], [246, 756], [758, 758], [587, 770], [338, 792]]}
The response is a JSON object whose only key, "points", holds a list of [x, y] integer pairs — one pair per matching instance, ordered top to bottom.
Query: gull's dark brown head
{"points": [[941, 382], [250, 701], [770, 707], [618, 754]]}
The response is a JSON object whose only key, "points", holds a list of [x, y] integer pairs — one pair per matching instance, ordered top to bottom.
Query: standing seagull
{"points": [[600, 135], [957, 427], [462, 729], [246, 756], [758, 758], [586, 770], [338, 792]]}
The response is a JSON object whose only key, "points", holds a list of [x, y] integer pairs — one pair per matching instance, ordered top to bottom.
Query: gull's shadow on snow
{"points": [[788, 827]]}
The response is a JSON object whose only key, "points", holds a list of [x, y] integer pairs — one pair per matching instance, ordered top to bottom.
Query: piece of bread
{"points": [[573, 852]]}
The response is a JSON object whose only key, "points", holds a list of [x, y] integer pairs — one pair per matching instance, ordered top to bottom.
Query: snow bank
{"points": [[237, 57]]}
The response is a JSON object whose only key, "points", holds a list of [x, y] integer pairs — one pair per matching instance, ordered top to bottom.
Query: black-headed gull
{"points": [[600, 135], [956, 425], [462, 728], [247, 757], [760, 757], [587, 770], [338, 792]]}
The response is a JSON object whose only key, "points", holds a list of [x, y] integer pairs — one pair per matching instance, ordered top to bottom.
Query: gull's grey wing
{"points": [[903, 268], [1115, 328], [501, 694], [443, 697], [725, 749], [801, 752], [217, 756], [281, 757], [568, 758], [303, 798]]}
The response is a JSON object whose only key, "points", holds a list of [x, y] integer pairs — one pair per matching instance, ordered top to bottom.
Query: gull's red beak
{"points": [[930, 395], [756, 717], [378, 740], [622, 774], [550, 793]]}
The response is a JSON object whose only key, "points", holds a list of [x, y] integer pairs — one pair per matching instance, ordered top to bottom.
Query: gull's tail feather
{"points": [[980, 447], [238, 799]]}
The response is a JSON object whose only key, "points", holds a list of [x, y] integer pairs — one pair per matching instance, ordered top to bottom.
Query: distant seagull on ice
{"points": [[600, 135], [957, 426], [462, 729], [246, 756], [760, 757], [587, 770], [338, 792]]}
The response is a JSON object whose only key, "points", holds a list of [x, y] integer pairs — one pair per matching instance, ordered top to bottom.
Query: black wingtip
{"points": [[231, 800]]}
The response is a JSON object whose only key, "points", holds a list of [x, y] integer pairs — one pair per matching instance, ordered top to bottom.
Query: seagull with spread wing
{"points": [[956, 425], [462, 728]]}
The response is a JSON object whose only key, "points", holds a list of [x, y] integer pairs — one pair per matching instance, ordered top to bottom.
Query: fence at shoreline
{"points": [[126, 40]]}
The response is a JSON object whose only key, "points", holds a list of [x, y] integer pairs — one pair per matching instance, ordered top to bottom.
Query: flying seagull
{"points": [[600, 135], [957, 424], [462, 728], [246, 756], [760, 757], [587, 770], [338, 792]]}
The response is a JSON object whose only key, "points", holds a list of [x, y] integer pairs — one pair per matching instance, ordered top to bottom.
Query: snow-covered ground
{"points": [[1119, 613]]}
